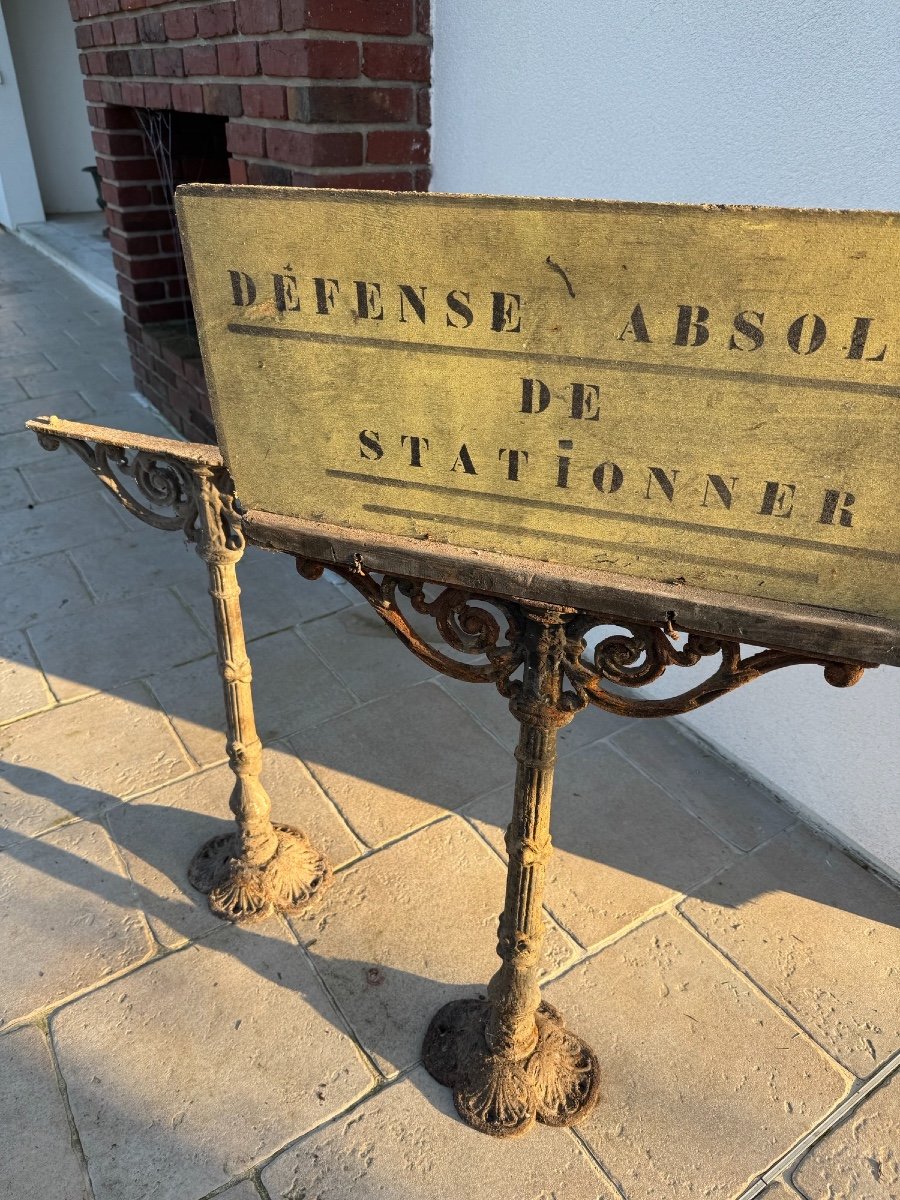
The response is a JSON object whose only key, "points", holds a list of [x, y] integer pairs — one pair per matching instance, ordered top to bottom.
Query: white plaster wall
{"points": [[42, 37], [770, 103], [20, 200]]}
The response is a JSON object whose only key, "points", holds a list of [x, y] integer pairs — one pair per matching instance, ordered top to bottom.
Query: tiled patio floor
{"points": [[738, 977]]}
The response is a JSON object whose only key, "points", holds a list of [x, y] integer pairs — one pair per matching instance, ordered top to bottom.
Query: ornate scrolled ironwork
{"points": [[161, 481], [464, 619], [621, 662]]}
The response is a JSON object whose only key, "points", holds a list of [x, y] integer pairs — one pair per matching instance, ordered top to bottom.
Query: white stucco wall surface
{"points": [[42, 36], [791, 104], [20, 200]]}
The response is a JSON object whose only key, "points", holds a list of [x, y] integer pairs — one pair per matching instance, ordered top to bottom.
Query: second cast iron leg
{"points": [[510, 1059]]}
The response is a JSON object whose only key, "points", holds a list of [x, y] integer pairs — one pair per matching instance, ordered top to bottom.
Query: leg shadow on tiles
{"points": [[371, 995]]}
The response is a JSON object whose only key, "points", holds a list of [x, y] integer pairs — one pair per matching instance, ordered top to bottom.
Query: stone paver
{"points": [[22, 366], [51, 389], [11, 390], [120, 409], [13, 417], [18, 448], [59, 474], [13, 492], [48, 528], [139, 560], [42, 588], [273, 595], [83, 652], [365, 654], [23, 688], [291, 688], [492, 711], [82, 757], [403, 760], [720, 796], [159, 834], [622, 846], [67, 918], [406, 930], [821, 935], [191, 1070], [705, 1084], [408, 1142], [36, 1154], [860, 1158], [241, 1191], [780, 1191]]}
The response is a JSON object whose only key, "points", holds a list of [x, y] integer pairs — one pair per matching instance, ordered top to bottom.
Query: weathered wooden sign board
{"points": [[671, 408]]}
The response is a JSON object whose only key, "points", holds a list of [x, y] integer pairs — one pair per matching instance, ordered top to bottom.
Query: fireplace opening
{"points": [[174, 148]]}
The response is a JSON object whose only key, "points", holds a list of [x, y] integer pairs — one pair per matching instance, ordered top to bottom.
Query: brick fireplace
{"points": [[304, 93]]}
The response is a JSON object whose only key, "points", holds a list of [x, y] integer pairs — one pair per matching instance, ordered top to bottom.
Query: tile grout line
{"points": [[328, 667], [690, 812], [135, 887], [47, 1012], [846, 1074], [378, 1076], [828, 1122], [74, 1135], [595, 1159]]}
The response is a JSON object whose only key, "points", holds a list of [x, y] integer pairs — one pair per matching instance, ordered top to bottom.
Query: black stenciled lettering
{"points": [[243, 289], [285, 290], [326, 295], [415, 299], [368, 300], [458, 303], [506, 312], [691, 319], [635, 327], [752, 332], [796, 334], [858, 341], [529, 387], [584, 397], [368, 440], [416, 445], [515, 458], [464, 461], [562, 470], [608, 477], [664, 482], [724, 491], [778, 499], [837, 503]]}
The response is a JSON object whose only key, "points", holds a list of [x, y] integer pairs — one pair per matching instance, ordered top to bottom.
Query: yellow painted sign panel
{"points": [[671, 393]]}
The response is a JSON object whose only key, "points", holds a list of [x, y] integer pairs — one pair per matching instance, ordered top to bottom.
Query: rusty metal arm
{"points": [[626, 660]]}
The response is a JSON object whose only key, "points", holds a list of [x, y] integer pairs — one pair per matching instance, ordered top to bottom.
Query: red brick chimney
{"points": [[309, 93]]}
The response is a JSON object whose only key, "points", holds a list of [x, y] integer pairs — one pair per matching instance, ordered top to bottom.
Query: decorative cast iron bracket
{"points": [[629, 660]]}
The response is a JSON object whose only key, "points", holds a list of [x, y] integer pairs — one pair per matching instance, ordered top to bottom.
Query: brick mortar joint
{"points": [[277, 35], [359, 81]]}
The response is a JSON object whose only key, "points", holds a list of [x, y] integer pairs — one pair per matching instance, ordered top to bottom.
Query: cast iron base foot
{"points": [[294, 877], [558, 1083]]}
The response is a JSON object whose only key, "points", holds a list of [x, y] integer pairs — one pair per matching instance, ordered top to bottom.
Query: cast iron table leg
{"points": [[260, 868], [510, 1059]]}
